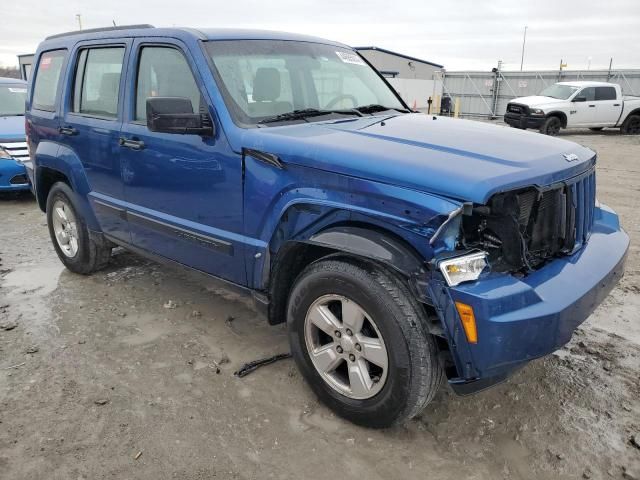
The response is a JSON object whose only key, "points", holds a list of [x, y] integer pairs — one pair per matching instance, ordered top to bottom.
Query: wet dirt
{"points": [[121, 380]]}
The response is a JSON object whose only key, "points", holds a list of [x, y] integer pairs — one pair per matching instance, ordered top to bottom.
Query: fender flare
{"points": [[561, 115]]}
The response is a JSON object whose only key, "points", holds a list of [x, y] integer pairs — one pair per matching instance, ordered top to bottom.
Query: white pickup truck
{"points": [[594, 105]]}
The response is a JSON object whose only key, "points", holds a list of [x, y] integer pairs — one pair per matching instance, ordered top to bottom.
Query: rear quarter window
{"points": [[45, 88]]}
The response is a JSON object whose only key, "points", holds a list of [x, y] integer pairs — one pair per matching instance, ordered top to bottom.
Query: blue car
{"points": [[13, 146], [399, 248]]}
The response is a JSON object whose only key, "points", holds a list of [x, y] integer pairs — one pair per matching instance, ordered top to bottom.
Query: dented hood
{"points": [[460, 159]]}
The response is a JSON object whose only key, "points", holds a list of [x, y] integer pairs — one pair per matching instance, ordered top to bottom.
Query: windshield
{"points": [[271, 81], [561, 92], [12, 98]]}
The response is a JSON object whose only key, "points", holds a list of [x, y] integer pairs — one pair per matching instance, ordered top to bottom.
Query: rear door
{"points": [[608, 107], [583, 113], [91, 127], [184, 191]]}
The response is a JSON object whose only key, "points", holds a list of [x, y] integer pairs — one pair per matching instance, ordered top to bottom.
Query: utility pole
{"points": [[79, 18], [524, 41], [589, 63], [609, 72]]}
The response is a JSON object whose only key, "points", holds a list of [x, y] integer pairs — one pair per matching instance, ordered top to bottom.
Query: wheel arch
{"points": [[561, 115], [354, 240]]}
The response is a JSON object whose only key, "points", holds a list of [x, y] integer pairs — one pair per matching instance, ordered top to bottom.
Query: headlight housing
{"points": [[536, 111], [4, 154], [464, 268]]}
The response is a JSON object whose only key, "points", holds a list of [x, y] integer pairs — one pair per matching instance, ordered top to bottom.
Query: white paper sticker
{"points": [[348, 57], [17, 90]]}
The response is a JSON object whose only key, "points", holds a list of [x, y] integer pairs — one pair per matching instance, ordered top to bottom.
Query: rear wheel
{"points": [[631, 125], [551, 126], [69, 233], [360, 341]]}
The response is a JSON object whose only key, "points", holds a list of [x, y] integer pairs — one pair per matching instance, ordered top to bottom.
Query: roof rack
{"points": [[103, 29]]}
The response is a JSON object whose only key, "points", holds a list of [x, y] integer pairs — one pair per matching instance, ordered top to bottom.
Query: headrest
{"points": [[266, 86]]}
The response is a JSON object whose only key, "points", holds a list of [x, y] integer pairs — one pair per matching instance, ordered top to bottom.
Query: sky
{"points": [[459, 34]]}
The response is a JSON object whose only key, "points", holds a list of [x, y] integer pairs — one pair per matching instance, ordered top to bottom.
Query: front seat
{"points": [[266, 91]]}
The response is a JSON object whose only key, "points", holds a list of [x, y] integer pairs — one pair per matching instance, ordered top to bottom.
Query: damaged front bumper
{"points": [[520, 319]]}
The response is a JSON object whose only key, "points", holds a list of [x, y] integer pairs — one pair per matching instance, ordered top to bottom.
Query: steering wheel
{"points": [[333, 102]]}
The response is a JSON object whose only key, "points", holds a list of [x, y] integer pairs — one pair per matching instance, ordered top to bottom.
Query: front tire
{"points": [[551, 126], [69, 233], [359, 338]]}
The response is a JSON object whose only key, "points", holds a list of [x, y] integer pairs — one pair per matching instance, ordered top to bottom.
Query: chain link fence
{"points": [[486, 94]]}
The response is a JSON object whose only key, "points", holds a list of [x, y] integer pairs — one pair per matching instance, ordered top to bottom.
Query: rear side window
{"points": [[164, 72], [47, 80], [97, 82], [605, 93]]}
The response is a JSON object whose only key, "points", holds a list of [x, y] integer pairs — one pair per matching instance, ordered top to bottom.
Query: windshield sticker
{"points": [[348, 57], [17, 90]]}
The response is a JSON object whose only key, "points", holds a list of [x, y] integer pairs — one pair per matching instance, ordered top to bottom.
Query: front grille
{"points": [[515, 108], [17, 150], [19, 180], [523, 229]]}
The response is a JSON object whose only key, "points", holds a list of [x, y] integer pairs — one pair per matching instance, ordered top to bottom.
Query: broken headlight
{"points": [[464, 268]]}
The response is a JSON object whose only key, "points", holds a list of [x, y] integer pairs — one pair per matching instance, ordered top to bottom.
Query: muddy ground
{"points": [[100, 379]]}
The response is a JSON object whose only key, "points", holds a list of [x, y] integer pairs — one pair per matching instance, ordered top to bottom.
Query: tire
{"points": [[631, 125], [551, 126], [596, 129], [69, 233], [393, 320]]}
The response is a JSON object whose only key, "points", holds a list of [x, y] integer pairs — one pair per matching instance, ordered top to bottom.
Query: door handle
{"points": [[616, 104], [591, 106], [67, 130], [132, 144]]}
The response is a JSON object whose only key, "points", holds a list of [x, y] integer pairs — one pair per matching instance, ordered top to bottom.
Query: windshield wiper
{"points": [[374, 108], [305, 113]]}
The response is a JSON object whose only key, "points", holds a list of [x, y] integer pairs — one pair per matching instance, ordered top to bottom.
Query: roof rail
{"points": [[103, 29]]}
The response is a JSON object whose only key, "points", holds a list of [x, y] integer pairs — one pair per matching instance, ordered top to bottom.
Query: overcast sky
{"points": [[461, 35]]}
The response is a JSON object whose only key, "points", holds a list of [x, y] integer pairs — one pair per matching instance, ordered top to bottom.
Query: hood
{"points": [[537, 101], [12, 128], [460, 159]]}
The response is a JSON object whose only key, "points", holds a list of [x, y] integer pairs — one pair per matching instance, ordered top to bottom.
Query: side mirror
{"points": [[580, 99], [175, 115]]}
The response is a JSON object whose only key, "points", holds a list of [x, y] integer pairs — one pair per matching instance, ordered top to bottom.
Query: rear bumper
{"points": [[523, 121], [13, 176], [520, 319]]}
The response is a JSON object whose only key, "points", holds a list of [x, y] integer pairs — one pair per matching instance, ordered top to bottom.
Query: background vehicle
{"points": [[593, 105], [13, 146], [400, 248]]}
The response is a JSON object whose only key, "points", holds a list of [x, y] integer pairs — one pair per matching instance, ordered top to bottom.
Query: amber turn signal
{"points": [[468, 321]]}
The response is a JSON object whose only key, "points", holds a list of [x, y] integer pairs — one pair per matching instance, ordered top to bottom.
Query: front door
{"points": [[583, 113], [91, 128], [184, 191]]}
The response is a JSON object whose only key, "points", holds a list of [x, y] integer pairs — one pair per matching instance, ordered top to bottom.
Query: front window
{"points": [[263, 81], [561, 92], [12, 98]]}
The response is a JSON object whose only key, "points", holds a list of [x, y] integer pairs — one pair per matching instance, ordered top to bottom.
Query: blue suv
{"points": [[13, 146], [400, 248]]}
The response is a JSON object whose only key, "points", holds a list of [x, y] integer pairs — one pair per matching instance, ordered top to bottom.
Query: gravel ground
{"points": [[129, 374]]}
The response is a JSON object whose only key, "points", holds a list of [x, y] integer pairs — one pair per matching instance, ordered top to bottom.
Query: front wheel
{"points": [[631, 125], [551, 126], [69, 233], [359, 339]]}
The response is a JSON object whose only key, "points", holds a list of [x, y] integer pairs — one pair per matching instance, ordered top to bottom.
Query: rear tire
{"points": [[631, 125], [551, 126], [69, 233], [346, 372]]}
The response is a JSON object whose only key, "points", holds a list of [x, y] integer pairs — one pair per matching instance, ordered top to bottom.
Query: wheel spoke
{"points": [[61, 214], [352, 316], [322, 318], [373, 351], [326, 358], [359, 380]]}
